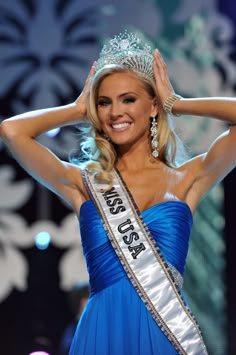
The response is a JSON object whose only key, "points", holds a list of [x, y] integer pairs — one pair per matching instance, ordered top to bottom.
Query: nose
{"points": [[116, 111]]}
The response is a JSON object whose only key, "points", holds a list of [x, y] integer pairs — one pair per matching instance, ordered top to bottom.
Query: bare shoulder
{"points": [[192, 165], [210, 168], [75, 172], [200, 178], [194, 187], [79, 194]]}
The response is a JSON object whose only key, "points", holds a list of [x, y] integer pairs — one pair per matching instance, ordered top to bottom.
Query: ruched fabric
{"points": [[115, 320]]}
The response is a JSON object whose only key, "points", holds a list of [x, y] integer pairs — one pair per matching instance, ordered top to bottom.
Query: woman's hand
{"points": [[163, 84], [81, 101]]}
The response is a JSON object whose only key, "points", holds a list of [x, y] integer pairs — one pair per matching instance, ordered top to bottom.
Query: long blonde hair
{"points": [[100, 154]]}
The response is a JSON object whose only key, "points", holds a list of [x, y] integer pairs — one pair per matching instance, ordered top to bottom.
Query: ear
{"points": [[155, 107]]}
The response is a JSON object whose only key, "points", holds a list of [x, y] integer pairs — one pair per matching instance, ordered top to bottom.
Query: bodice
{"points": [[169, 222]]}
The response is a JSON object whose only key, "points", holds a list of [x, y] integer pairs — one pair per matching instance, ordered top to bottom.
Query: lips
{"points": [[120, 125]]}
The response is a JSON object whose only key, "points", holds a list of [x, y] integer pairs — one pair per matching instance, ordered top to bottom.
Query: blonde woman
{"points": [[134, 201]]}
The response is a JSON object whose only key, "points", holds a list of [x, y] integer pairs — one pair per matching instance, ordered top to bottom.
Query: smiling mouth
{"points": [[120, 125]]}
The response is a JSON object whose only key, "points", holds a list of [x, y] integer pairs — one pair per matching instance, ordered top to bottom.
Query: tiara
{"points": [[126, 49]]}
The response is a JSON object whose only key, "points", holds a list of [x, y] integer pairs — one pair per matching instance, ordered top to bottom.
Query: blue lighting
{"points": [[109, 10], [53, 132], [42, 240]]}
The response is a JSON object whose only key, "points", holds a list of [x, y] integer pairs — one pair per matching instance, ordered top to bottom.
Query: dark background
{"points": [[34, 319]]}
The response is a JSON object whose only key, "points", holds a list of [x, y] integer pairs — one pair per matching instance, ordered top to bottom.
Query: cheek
{"points": [[142, 109], [102, 113], [143, 113], [101, 119]]}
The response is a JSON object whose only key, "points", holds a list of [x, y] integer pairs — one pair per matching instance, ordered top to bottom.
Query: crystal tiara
{"points": [[126, 49]]}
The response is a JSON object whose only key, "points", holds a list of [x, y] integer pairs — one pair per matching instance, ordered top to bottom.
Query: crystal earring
{"points": [[107, 138], [154, 141]]}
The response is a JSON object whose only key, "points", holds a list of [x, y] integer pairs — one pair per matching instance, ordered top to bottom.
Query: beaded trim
{"points": [[178, 278]]}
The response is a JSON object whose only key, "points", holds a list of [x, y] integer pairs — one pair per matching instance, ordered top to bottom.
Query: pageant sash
{"points": [[144, 265]]}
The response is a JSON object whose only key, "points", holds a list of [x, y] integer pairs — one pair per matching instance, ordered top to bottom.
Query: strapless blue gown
{"points": [[115, 320]]}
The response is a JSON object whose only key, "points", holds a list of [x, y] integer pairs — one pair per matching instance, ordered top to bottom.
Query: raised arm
{"points": [[214, 107], [222, 108], [19, 133], [212, 166]]}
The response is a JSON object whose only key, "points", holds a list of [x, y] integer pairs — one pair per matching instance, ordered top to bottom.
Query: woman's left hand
{"points": [[163, 84]]}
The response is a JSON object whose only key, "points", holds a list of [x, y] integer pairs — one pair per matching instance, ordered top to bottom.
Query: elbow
{"points": [[3, 129], [7, 130], [232, 131]]}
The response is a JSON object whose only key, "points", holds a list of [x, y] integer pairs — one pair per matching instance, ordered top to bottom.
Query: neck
{"points": [[135, 158]]}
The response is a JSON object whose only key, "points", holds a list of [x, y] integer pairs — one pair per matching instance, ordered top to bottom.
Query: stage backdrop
{"points": [[46, 50]]}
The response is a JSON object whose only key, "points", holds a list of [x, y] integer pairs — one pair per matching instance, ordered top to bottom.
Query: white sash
{"points": [[145, 266]]}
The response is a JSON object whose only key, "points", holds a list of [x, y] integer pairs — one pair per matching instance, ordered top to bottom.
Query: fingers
{"points": [[160, 67], [93, 69], [155, 70], [92, 72], [89, 78], [163, 84]]}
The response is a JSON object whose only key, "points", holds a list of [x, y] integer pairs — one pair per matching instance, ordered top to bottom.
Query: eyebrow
{"points": [[124, 94]]}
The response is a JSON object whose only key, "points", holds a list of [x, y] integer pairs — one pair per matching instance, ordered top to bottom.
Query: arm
{"points": [[215, 107], [34, 123], [19, 134], [211, 167], [206, 170]]}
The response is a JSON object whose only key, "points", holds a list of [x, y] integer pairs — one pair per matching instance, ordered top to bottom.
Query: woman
{"points": [[134, 203]]}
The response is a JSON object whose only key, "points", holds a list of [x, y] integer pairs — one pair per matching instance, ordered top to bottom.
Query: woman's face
{"points": [[124, 108]]}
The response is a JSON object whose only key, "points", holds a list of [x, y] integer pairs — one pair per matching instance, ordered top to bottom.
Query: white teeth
{"points": [[120, 125]]}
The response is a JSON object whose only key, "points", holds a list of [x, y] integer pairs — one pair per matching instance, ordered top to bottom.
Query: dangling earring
{"points": [[106, 137], [154, 141]]}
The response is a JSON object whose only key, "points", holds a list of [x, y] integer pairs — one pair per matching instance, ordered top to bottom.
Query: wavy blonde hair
{"points": [[99, 152]]}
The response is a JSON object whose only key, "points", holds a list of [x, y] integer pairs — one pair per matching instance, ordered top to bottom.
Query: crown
{"points": [[126, 49]]}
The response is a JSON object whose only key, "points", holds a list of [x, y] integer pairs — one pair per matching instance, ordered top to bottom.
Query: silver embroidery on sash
{"points": [[151, 276], [178, 278]]}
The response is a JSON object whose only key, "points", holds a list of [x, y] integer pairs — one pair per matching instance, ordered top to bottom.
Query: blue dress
{"points": [[115, 320]]}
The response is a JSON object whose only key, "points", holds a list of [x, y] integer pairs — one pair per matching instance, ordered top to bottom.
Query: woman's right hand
{"points": [[81, 101]]}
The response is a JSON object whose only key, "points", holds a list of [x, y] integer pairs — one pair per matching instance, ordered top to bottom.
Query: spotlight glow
{"points": [[53, 132], [42, 240]]}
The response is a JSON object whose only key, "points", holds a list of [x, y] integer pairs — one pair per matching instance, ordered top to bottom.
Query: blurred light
{"points": [[108, 10], [53, 132], [42, 240], [39, 353]]}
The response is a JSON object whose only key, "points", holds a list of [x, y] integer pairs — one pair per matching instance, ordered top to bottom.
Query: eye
{"points": [[128, 100], [103, 102]]}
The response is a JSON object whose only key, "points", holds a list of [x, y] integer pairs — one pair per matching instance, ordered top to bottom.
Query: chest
{"points": [[150, 188]]}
